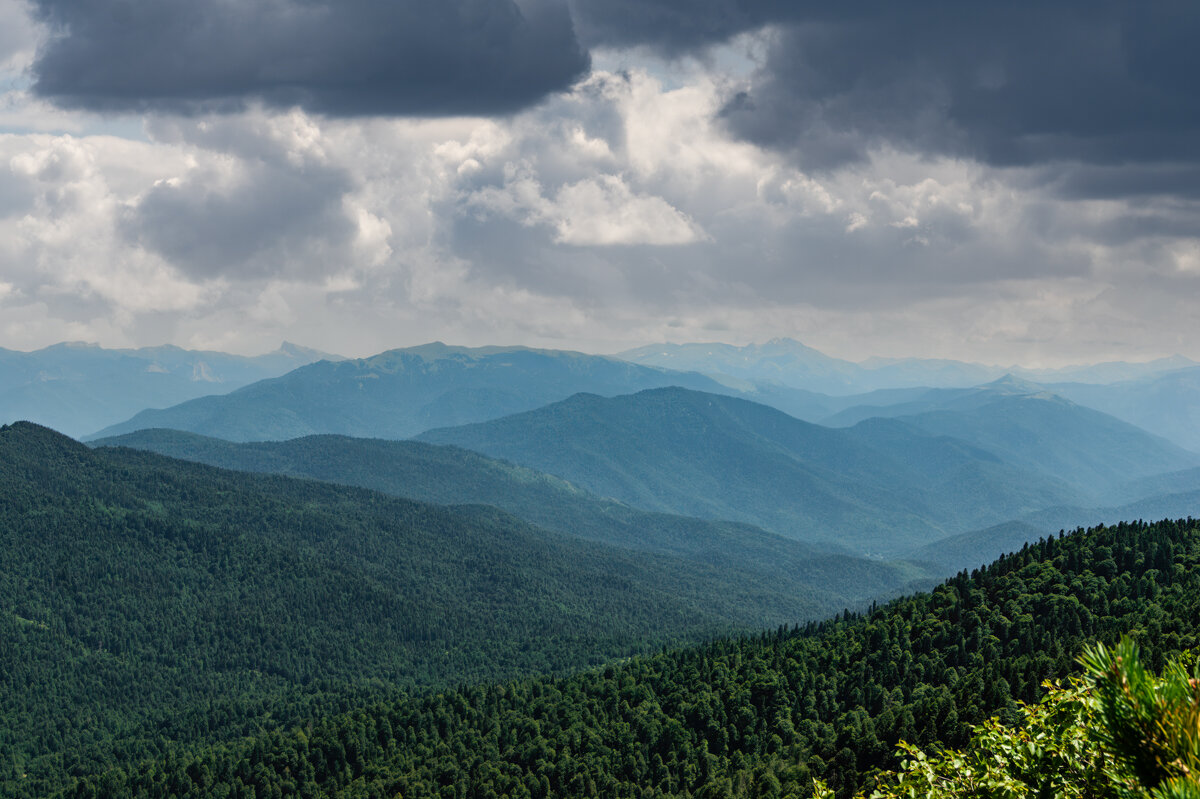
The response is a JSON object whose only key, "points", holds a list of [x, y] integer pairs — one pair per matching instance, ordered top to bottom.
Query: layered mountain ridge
{"points": [[78, 388], [400, 393], [145, 599]]}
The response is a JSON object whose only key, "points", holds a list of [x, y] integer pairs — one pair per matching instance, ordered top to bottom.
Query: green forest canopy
{"points": [[758, 716]]}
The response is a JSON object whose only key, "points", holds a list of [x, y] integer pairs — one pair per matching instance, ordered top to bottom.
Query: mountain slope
{"points": [[78, 388], [400, 393], [890, 404], [1167, 405], [1034, 429], [679, 451], [1093, 451], [971, 549], [745, 555], [144, 598], [757, 716]]}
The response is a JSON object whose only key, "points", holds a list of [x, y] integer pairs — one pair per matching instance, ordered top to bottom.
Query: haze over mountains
{"points": [[785, 361], [79, 388], [419, 388], [400, 393], [1161, 396], [1167, 404], [1031, 427], [913, 464], [886, 485]]}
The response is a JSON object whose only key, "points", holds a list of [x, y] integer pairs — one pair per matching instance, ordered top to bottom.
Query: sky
{"points": [[1013, 183]]}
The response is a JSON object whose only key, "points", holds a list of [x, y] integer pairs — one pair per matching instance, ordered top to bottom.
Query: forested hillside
{"points": [[884, 487], [747, 555], [145, 600], [757, 716]]}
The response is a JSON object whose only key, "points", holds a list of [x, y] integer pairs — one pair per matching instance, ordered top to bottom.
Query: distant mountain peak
{"points": [[784, 342], [75, 345], [292, 348], [306, 353], [1011, 384]]}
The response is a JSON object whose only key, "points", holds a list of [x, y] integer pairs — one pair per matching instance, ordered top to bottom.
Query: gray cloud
{"points": [[675, 26], [16, 33], [344, 58], [1024, 83], [1030, 83], [1009, 85], [927, 174], [1115, 181], [16, 193], [259, 201], [208, 229]]}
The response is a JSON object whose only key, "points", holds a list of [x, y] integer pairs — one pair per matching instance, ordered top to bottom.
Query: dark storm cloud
{"points": [[676, 26], [337, 57], [1009, 84], [1117, 181]]}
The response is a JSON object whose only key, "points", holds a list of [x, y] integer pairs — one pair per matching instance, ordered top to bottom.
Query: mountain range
{"points": [[790, 363], [79, 388], [400, 393], [1167, 404], [1030, 427], [913, 465], [883, 486], [751, 560], [145, 599], [198, 609]]}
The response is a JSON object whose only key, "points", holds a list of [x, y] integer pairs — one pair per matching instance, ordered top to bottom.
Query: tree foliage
{"points": [[147, 603], [760, 716], [1117, 732]]}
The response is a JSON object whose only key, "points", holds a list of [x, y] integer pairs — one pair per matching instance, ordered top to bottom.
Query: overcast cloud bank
{"points": [[931, 178]]}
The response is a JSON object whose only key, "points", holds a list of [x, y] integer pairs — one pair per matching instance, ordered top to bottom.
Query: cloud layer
{"points": [[343, 57], [1013, 84], [1098, 86], [876, 178]]}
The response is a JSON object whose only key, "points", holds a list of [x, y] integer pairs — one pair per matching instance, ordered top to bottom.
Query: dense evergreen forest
{"points": [[449, 476], [146, 601], [753, 716]]}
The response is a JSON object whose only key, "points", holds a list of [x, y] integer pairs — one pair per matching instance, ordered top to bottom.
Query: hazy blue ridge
{"points": [[788, 362], [78, 388], [401, 393], [1167, 404], [1027, 425], [1094, 452], [884, 488], [978, 547]]}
